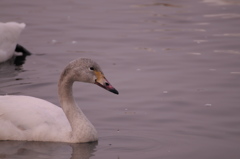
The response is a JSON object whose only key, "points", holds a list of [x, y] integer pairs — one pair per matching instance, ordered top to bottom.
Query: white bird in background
{"points": [[9, 34], [33, 119]]}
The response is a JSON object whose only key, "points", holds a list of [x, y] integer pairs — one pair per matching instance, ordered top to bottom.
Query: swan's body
{"points": [[9, 34], [32, 119]]}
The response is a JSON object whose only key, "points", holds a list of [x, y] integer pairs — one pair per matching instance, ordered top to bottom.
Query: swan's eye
{"points": [[91, 68]]}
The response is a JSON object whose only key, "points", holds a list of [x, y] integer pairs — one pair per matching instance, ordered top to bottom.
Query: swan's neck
{"points": [[82, 129]]}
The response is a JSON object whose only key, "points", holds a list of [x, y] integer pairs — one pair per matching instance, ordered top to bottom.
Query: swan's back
{"points": [[9, 33], [42, 116]]}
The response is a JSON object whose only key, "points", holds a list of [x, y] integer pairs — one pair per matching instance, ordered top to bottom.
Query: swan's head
{"points": [[86, 70]]}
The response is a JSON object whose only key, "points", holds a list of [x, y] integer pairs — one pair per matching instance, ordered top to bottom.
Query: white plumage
{"points": [[9, 33], [29, 118], [33, 119]]}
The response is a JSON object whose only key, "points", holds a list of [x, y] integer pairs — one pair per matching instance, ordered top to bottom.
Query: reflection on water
{"points": [[223, 2], [157, 4], [223, 16], [20, 59], [16, 61], [41, 150]]}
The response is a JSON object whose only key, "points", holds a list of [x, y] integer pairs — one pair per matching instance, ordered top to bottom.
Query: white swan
{"points": [[9, 33], [33, 119]]}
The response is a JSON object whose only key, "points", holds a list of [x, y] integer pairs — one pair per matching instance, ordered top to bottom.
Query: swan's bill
{"points": [[103, 82]]}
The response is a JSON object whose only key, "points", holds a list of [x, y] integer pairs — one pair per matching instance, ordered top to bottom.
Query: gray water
{"points": [[176, 64]]}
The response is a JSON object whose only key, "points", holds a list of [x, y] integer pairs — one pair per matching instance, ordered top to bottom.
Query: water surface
{"points": [[175, 64]]}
